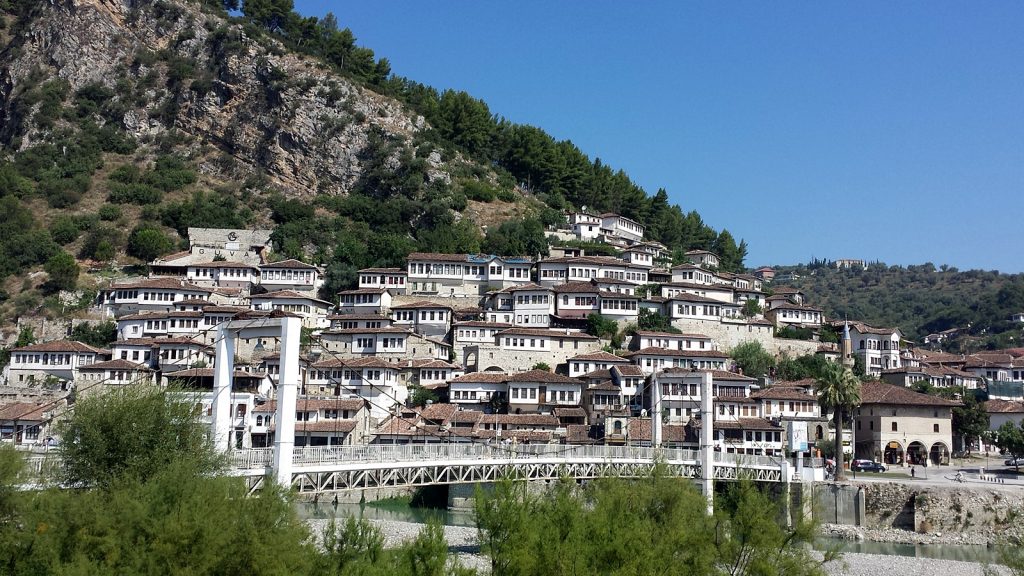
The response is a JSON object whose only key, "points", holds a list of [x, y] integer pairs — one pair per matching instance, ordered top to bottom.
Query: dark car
{"points": [[861, 466]]}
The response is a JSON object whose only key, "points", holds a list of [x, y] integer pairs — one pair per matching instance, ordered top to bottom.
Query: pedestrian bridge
{"points": [[340, 468]]}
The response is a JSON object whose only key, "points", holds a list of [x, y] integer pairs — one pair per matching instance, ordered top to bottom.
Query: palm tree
{"points": [[838, 390]]}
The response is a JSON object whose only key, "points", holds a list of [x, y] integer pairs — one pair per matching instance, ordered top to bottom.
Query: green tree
{"points": [[147, 243], [63, 271], [750, 309], [598, 325], [99, 335], [753, 359], [541, 366], [838, 391], [419, 396], [970, 420], [132, 433], [1010, 439]]}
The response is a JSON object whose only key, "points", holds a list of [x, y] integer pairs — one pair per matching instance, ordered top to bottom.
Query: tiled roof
{"points": [[289, 263], [223, 265], [383, 270], [161, 284], [527, 287], [576, 287], [362, 291], [288, 295], [420, 304], [163, 315], [359, 316], [482, 324], [382, 330], [554, 333], [651, 333], [157, 342], [59, 346], [655, 351], [600, 356], [370, 362], [113, 365], [209, 373], [716, 375], [542, 376], [481, 378], [782, 393], [881, 393], [311, 404], [1003, 406], [26, 411], [438, 411], [568, 412], [520, 420], [745, 424], [337, 425]]}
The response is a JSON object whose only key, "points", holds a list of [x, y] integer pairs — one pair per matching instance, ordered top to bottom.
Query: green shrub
{"points": [[479, 191], [141, 194], [109, 212], [64, 230]]}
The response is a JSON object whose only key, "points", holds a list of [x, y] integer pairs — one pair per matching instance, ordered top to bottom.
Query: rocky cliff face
{"points": [[243, 106]]}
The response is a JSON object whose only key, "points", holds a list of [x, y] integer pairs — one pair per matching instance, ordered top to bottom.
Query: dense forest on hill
{"points": [[117, 166], [920, 300]]}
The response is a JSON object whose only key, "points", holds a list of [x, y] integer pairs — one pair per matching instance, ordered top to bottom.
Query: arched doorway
{"points": [[819, 432], [916, 453], [939, 453], [893, 454]]}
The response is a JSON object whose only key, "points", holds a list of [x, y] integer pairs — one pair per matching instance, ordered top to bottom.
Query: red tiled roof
{"points": [[161, 284], [421, 304], [553, 333], [59, 346], [655, 351], [600, 356], [117, 364], [541, 376], [882, 393], [311, 404]]}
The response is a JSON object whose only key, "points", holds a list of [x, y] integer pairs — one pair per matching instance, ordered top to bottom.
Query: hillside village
{"points": [[472, 347]]}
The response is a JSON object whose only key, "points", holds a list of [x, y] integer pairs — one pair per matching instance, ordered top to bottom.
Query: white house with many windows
{"points": [[621, 227], [554, 271], [223, 274], [290, 274], [464, 274], [391, 279], [150, 294], [364, 301], [528, 305], [313, 311], [426, 318], [879, 348], [58, 359], [651, 360], [372, 379]]}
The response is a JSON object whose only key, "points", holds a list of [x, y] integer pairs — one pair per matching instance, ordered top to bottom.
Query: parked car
{"points": [[1015, 462], [867, 466]]}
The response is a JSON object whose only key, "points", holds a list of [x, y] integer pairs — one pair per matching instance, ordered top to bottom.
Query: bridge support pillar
{"points": [[223, 373], [287, 392], [656, 410], [707, 443]]}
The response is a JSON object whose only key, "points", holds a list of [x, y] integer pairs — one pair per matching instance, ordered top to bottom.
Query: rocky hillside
{"points": [[124, 122]]}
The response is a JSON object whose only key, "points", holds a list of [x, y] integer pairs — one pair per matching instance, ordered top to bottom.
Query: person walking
{"points": [[912, 473]]}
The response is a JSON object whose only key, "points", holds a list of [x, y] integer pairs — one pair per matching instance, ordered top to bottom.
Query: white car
{"points": [[1015, 462]]}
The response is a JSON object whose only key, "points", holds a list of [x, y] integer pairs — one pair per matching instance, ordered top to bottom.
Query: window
{"points": [[894, 426], [935, 428]]}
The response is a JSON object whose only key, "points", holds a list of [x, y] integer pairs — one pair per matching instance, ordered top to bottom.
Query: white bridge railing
{"points": [[259, 458]]}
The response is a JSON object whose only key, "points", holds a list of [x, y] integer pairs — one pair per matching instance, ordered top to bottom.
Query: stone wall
{"points": [[728, 335], [989, 510]]}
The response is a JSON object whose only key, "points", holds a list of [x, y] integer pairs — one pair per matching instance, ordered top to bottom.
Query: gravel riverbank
{"points": [[463, 542]]}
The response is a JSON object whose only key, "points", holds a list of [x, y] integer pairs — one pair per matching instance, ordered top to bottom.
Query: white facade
{"points": [[622, 227], [290, 274], [464, 274], [390, 279], [364, 301], [313, 311], [879, 348]]}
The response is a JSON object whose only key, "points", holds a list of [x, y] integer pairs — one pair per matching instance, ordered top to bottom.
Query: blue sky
{"points": [[876, 130]]}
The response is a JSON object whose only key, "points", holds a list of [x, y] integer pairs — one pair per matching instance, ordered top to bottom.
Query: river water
{"points": [[402, 512]]}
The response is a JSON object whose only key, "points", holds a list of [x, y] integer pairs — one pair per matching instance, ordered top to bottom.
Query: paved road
{"points": [[995, 474]]}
